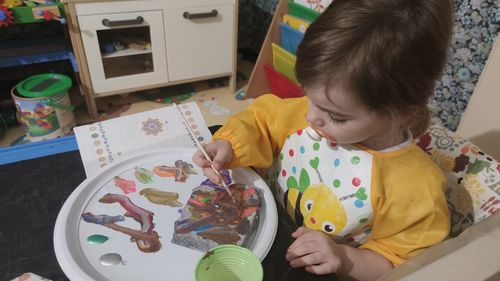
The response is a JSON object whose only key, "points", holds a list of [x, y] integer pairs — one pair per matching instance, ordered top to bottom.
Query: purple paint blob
{"points": [[225, 175]]}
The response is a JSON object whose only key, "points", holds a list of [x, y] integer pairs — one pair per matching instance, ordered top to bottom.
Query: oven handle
{"points": [[190, 16], [116, 23]]}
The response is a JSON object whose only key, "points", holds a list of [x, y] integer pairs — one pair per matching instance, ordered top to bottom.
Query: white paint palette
{"points": [[118, 257]]}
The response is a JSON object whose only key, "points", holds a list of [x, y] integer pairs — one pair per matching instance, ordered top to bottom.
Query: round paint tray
{"points": [[109, 249]]}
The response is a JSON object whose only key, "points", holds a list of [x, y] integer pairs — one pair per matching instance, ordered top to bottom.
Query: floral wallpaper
{"points": [[477, 24]]}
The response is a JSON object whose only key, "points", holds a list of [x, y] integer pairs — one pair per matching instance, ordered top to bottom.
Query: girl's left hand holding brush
{"points": [[221, 153]]}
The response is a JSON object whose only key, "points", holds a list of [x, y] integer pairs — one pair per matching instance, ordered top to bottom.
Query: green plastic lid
{"points": [[44, 85], [229, 263]]}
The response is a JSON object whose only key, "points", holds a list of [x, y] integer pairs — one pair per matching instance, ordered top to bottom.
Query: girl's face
{"points": [[346, 121]]}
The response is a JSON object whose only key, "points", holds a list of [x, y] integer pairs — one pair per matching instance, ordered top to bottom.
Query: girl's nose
{"points": [[315, 119], [318, 122], [314, 131]]}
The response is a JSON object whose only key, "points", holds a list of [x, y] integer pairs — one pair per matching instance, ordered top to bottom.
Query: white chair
{"points": [[473, 191]]}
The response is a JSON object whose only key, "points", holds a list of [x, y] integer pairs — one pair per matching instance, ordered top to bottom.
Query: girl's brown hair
{"points": [[388, 53]]}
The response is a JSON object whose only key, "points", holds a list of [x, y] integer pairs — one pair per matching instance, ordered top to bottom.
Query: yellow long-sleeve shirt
{"points": [[389, 202]]}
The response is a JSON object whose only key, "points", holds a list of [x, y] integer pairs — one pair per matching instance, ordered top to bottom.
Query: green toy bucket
{"points": [[43, 106], [229, 263]]}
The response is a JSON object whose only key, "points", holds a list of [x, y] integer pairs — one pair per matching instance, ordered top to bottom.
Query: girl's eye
{"points": [[335, 120]]}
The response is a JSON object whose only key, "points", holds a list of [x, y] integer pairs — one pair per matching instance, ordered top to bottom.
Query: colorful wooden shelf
{"points": [[24, 52]]}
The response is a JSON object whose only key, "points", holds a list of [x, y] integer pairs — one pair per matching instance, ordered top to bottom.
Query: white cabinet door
{"points": [[199, 41], [124, 50]]}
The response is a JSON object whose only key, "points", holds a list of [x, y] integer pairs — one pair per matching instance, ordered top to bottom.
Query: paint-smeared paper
{"points": [[105, 142], [211, 217]]}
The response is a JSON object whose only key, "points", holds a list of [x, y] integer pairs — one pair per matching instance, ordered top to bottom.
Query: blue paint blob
{"points": [[336, 163], [294, 170], [203, 228]]}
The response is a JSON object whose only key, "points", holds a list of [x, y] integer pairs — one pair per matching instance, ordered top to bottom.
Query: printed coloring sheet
{"points": [[103, 143]]}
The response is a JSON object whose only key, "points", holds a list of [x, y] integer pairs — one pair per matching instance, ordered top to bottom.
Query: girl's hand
{"points": [[221, 153], [315, 251]]}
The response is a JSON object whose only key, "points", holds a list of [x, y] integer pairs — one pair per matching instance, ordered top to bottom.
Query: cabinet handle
{"points": [[190, 16], [115, 23]]}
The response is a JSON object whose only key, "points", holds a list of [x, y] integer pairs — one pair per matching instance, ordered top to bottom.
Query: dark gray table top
{"points": [[32, 193]]}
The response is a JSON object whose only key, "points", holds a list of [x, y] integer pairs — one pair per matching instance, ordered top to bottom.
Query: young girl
{"points": [[347, 168]]}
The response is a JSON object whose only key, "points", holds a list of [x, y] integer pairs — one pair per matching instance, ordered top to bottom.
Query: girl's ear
{"points": [[419, 119], [401, 120]]}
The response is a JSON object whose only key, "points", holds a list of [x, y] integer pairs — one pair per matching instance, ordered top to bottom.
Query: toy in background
{"points": [[41, 2], [11, 3], [316, 5], [45, 9], [28, 11], [48, 13], [6, 17], [118, 42], [173, 94], [43, 106], [214, 107], [42, 117]]}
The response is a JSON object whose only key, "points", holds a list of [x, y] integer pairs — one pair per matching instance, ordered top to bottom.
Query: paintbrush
{"points": [[200, 146]]}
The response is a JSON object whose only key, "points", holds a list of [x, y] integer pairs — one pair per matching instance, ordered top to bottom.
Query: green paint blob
{"points": [[316, 146], [281, 156], [355, 160], [143, 175], [336, 183], [363, 220], [97, 239]]}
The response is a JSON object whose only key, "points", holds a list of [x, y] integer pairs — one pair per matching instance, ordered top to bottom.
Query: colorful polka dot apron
{"points": [[326, 187]]}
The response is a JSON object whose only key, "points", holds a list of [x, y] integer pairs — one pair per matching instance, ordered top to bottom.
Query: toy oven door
{"points": [[124, 50]]}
